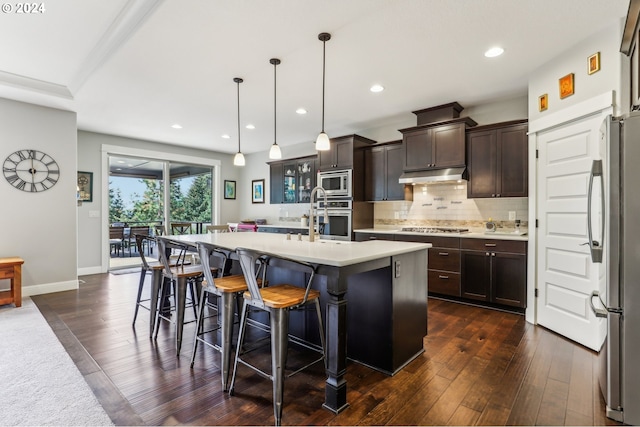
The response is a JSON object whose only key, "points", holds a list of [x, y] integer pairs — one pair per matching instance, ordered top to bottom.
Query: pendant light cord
{"points": [[324, 44], [275, 64], [238, 85]]}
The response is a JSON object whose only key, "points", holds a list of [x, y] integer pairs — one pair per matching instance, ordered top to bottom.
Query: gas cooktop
{"points": [[448, 230]]}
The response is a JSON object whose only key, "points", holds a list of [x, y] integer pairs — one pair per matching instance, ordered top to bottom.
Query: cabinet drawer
{"points": [[363, 237], [436, 241], [494, 245], [444, 259], [6, 273], [442, 282]]}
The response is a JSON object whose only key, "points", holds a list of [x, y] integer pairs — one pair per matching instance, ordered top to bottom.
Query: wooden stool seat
{"points": [[11, 268], [187, 271], [235, 283], [284, 296]]}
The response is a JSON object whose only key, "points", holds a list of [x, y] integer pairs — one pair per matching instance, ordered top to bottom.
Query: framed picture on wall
{"points": [[593, 63], [566, 85], [543, 102], [85, 186], [229, 189], [257, 191]]}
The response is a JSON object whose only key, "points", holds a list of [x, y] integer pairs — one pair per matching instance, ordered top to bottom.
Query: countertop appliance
{"points": [[614, 240]]}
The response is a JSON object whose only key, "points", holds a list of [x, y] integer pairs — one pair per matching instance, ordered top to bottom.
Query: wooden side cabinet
{"points": [[497, 160], [11, 268], [494, 271]]}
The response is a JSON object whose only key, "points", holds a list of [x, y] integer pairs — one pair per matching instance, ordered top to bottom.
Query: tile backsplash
{"points": [[447, 205]]}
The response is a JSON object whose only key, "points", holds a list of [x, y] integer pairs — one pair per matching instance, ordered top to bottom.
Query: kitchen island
{"points": [[383, 284]]}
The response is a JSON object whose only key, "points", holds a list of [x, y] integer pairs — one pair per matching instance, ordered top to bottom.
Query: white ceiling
{"points": [[135, 67]]}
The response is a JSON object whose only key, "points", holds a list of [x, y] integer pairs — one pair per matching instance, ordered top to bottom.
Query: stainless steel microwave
{"points": [[336, 183]]}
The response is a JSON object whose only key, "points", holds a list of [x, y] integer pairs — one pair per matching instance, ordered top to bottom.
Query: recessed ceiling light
{"points": [[493, 52], [376, 88], [301, 111], [176, 126], [250, 126], [225, 136], [121, 162], [118, 169]]}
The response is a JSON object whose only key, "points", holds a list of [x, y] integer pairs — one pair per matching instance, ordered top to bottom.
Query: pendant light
{"points": [[322, 142], [274, 152], [238, 160]]}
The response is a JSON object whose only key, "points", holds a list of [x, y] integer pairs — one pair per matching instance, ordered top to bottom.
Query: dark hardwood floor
{"points": [[480, 367]]}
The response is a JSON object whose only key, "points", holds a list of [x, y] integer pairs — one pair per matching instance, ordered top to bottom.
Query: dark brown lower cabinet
{"points": [[494, 271]]}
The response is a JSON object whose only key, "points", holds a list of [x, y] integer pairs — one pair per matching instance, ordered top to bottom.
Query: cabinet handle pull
{"points": [[497, 195], [490, 245], [443, 253], [486, 253], [493, 254], [443, 277]]}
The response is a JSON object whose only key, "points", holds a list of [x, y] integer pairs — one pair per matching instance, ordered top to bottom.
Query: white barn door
{"points": [[566, 276]]}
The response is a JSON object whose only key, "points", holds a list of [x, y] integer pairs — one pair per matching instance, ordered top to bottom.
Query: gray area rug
{"points": [[39, 383]]}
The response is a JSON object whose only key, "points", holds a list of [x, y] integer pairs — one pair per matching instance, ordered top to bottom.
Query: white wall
{"points": [[574, 60], [90, 160], [40, 227]]}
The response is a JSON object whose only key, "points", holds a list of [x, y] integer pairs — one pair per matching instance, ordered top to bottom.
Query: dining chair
{"points": [[180, 228], [217, 228], [142, 230], [116, 239], [178, 277], [225, 288], [277, 300]]}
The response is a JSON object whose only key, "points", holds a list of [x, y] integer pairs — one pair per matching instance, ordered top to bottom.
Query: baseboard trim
{"points": [[90, 270], [48, 288]]}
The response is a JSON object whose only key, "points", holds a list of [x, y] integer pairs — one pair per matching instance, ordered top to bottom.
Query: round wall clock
{"points": [[31, 170]]}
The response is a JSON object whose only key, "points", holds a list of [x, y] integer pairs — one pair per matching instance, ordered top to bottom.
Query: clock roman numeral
{"points": [[22, 155], [9, 169], [12, 178], [51, 180], [21, 185]]}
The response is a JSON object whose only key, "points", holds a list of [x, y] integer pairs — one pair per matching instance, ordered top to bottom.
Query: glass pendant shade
{"points": [[322, 142], [274, 152], [238, 160]]}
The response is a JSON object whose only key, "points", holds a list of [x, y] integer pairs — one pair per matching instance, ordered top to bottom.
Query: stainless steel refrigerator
{"points": [[614, 239]]}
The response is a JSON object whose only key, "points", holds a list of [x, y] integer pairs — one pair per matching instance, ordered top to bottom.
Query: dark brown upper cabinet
{"points": [[435, 146], [340, 156], [497, 160], [382, 170], [291, 181]]}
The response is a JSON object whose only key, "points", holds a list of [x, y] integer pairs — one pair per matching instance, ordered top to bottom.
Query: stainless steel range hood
{"points": [[434, 176]]}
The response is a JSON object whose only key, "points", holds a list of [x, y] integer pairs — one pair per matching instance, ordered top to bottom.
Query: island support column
{"points": [[335, 398]]}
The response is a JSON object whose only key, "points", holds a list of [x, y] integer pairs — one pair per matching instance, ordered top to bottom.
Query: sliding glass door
{"points": [[140, 201]]}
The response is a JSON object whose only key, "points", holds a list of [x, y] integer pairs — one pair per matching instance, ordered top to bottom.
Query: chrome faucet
{"points": [[312, 231]]}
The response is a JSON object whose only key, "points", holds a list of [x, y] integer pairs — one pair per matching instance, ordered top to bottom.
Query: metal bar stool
{"points": [[155, 267], [181, 276], [227, 288], [278, 301]]}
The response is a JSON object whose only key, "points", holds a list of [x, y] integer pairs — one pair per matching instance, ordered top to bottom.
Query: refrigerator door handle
{"points": [[595, 246], [602, 312]]}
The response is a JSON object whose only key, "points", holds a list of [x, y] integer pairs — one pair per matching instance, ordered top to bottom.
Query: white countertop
{"points": [[498, 235], [326, 252]]}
